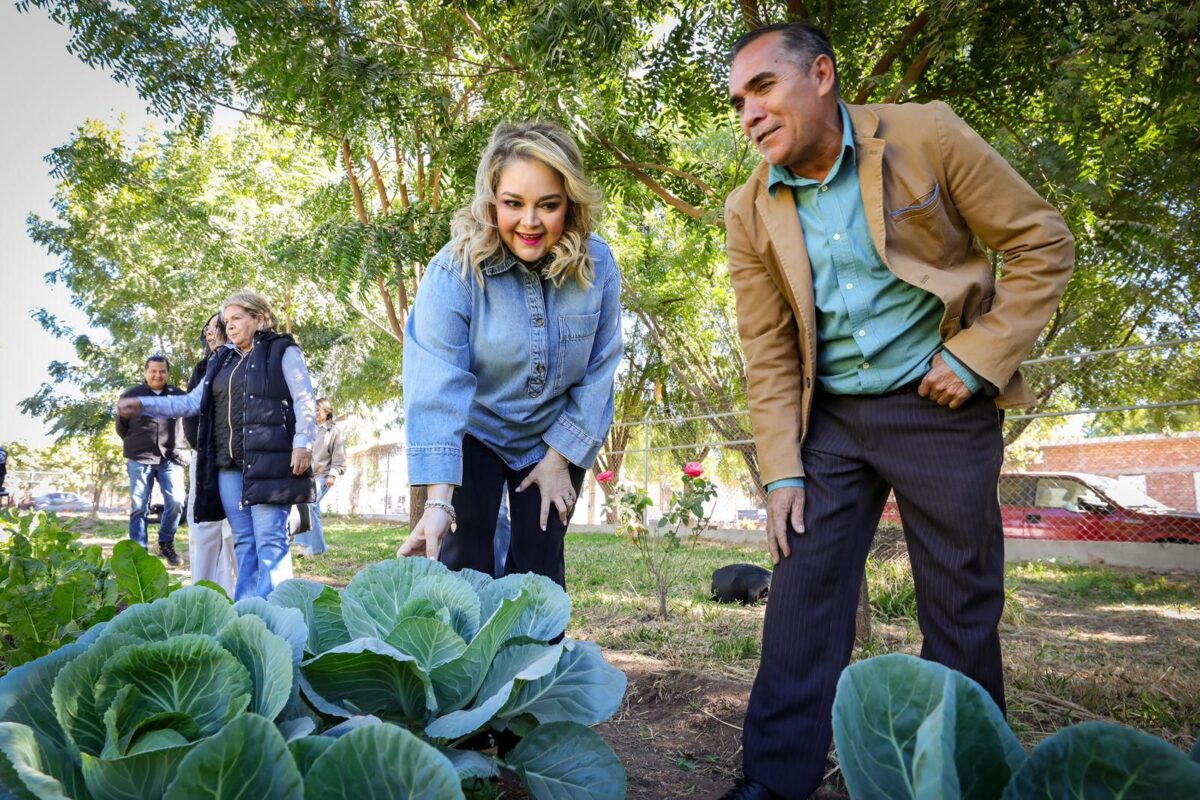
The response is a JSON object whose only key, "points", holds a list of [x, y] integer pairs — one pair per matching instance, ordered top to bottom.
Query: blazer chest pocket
{"points": [[927, 203], [918, 229], [576, 334]]}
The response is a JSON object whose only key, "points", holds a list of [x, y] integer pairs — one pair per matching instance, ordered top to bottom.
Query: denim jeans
{"points": [[141, 486], [260, 539], [312, 542]]}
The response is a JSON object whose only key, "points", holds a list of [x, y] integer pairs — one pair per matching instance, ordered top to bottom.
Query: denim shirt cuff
{"points": [[576, 445], [435, 464]]}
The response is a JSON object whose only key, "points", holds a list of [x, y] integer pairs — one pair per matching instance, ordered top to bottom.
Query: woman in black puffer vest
{"points": [[254, 439]]}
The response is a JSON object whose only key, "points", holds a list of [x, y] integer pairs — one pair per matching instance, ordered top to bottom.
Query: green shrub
{"points": [[52, 588]]}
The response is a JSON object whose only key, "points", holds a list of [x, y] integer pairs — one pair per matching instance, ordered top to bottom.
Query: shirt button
{"points": [[825, 188], [837, 237], [849, 285], [538, 322], [862, 333], [866, 365], [541, 368]]}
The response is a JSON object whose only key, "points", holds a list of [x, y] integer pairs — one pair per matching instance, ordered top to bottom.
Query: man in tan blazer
{"points": [[880, 346]]}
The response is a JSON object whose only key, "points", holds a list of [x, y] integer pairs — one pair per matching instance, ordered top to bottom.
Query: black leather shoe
{"points": [[167, 551], [749, 790]]}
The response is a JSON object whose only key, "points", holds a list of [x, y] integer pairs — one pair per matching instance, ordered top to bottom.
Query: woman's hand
{"points": [[129, 407], [301, 459], [554, 482], [427, 534]]}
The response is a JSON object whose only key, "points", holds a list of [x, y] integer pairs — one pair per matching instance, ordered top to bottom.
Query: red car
{"points": [[1083, 507]]}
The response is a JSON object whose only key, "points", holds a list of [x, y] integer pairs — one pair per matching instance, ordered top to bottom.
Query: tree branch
{"points": [[796, 12], [751, 15], [483, 37], [891, 54], [915, 70], [640, 165], [654, 186], [380, 189], [362, 313]]}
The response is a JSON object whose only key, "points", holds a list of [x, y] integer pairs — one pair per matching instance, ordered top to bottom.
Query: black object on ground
{"points": [[741, 583]]}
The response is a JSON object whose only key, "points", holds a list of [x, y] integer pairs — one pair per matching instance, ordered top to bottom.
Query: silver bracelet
{"points": [[444, 506]]}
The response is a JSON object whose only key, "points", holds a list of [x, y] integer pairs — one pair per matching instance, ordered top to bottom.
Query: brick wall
{"points": [[1167, 462]]}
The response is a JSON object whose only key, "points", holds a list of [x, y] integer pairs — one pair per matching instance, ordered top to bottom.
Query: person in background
{"points": [[509, 358], [257, 425], [151, 448], [329, 461], [210, 544]]}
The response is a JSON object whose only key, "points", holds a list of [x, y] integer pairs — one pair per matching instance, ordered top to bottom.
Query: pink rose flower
{"points": [[693, 469], [605, 477]]}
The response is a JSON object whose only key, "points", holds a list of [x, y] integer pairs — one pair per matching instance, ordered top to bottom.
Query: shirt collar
{"points": [[779, 174], [506, 261]]}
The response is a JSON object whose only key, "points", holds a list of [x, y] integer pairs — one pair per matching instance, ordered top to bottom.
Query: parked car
{"points": [[61, 501], [1082, 507]]}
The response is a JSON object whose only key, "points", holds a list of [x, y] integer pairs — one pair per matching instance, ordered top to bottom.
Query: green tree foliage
{"points": [[1095, 103]]}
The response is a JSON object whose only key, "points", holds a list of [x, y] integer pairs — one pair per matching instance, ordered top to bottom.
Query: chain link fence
{"points": [[1110, 453]]}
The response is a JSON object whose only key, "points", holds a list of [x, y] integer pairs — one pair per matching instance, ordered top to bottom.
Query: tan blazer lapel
{"points": [[869, 155], [783, 226]]}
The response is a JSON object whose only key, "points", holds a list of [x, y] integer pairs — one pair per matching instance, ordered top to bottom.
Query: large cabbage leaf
{"points": [[374, 601], [321, 609], [190, 610], [547, 610], [286, 623], [267, 658], [191, 675], [369, 676], [456, 682], [582, 687], [74, 694], [909, 728], [247, 759], [1103, 759], [381, 760], [566, 761], [31, 766], [140, 776]]}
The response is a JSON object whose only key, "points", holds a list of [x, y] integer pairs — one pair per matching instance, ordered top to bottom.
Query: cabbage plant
{"points": [[456, 656], [370, 692], [908, 728]]}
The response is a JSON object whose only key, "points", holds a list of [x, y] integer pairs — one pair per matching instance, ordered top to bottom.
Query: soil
{"points": [[679, 733]]}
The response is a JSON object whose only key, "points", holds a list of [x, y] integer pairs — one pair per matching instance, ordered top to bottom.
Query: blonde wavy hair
{"points": [[475, 236], [256, 306]]}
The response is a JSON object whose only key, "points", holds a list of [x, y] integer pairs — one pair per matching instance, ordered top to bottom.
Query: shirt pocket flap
{"points": [[578, 326]]}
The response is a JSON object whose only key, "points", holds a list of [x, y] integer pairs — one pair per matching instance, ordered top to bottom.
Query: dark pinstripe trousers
{"points": [[944, 466]]}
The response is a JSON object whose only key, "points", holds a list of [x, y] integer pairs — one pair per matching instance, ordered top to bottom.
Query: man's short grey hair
{"points": [[803, 41]]}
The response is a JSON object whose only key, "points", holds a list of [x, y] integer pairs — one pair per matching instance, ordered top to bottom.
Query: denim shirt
{"points": [[517, 362]]}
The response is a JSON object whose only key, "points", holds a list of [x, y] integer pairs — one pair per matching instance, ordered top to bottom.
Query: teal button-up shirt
{"points": [[875, 333]]}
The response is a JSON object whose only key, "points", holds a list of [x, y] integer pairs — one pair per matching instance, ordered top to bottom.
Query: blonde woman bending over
{"points": [[509, 358]]}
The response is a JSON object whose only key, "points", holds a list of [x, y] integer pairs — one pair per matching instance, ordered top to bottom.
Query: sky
{"points": [[46, 94]]}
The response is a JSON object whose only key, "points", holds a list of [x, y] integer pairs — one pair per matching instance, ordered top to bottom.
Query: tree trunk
{"points": [[417, 495], [862, 621]]}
